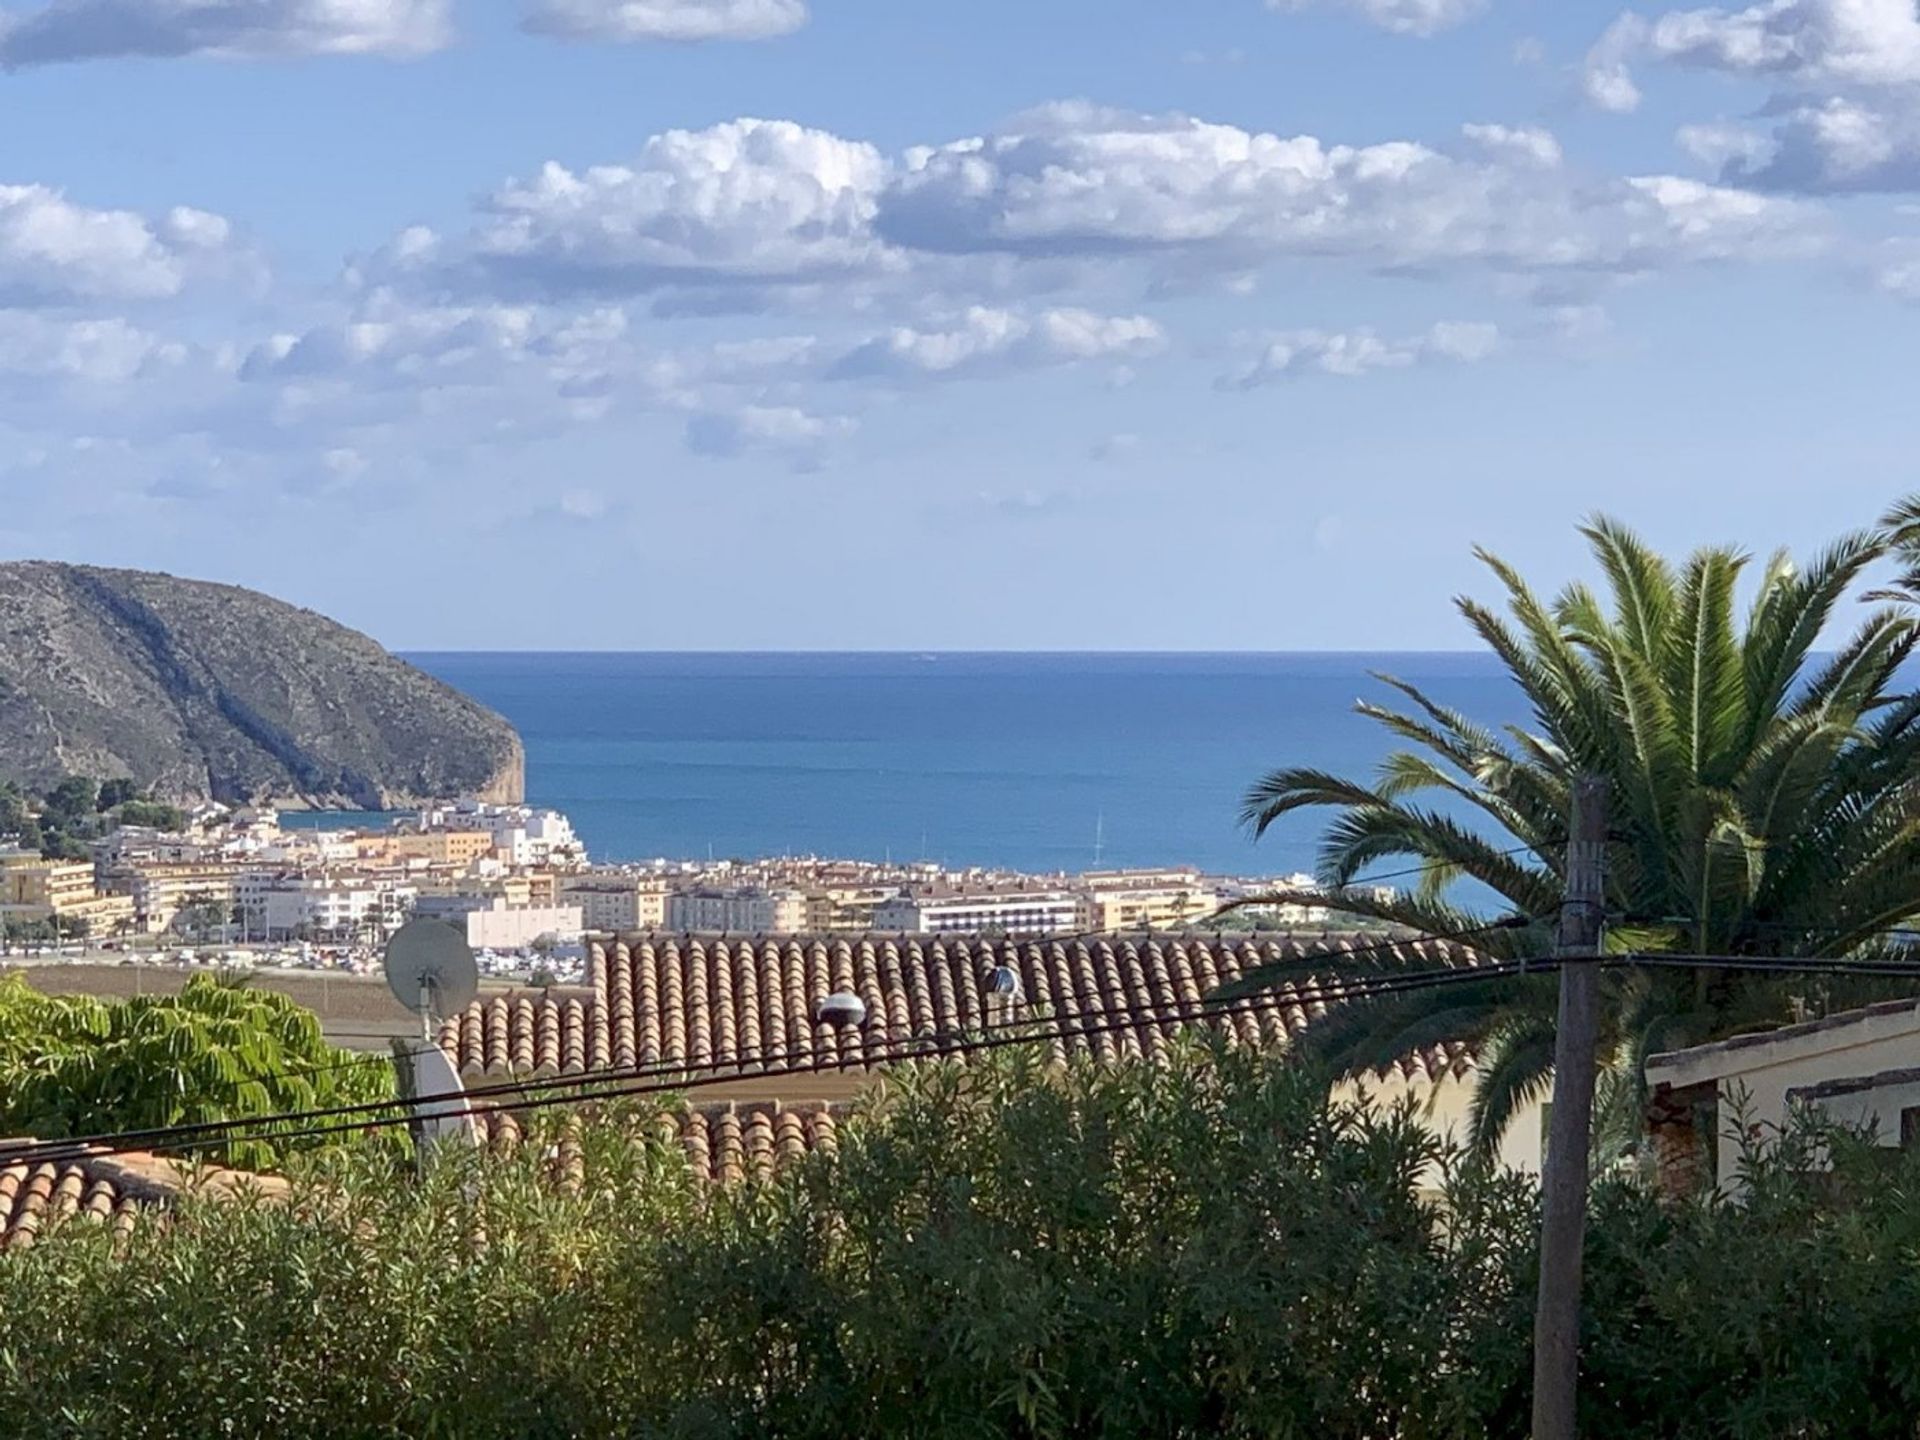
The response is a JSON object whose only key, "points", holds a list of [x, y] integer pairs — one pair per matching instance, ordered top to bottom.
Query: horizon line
{"points": [[915, 651]]}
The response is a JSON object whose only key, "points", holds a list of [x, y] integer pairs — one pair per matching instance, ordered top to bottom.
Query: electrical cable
{"points": [[1025, 1031]]}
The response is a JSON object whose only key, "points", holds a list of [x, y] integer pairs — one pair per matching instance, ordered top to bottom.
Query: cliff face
{"points": [[212, 692]]}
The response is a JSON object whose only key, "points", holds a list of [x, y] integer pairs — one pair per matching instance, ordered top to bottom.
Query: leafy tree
{"points": [[115, 793], [74, 798], [1763, 801], [14, 814], [153, 814], [74, 1065]]}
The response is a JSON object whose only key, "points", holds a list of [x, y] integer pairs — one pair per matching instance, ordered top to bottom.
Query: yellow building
{"points": [[456, 848], [55, 886], [35, 889], [158, 893], [1120, 900], [612, 903], [846, 908]]}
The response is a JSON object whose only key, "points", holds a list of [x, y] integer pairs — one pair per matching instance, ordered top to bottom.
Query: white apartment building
{"points": [[522, 836], [613, 903], [285, 907], [747, 910], [1016, 912], [490, 922]]}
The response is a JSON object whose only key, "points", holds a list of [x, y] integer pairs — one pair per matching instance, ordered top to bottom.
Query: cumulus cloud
{"points": [[1402, 17], [670, 20], [234, 29], [1804, 45], [1076, 180], [748, 202], [53, 251], [988, 341], [105, 350], [1353, 353], [784, 430]]}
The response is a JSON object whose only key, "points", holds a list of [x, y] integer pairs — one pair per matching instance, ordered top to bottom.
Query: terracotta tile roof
{"points": [[664, 999], [723, 1144], [102, 1188]]}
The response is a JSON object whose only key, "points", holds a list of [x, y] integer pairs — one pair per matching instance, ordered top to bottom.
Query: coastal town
{"points": [[250, 887]]}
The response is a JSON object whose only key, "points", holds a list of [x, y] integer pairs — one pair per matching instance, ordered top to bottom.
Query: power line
{"points": [[1021, 1032], [939, 1045], [217, 1129]]}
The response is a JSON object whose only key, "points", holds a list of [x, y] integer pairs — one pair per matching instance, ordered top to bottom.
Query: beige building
{"points": [[454, 848], [55, 886], [35, 889], [158, 893], [1121, 900], [613, 903], [847, 908], [743, 910], [1860, 1067]]}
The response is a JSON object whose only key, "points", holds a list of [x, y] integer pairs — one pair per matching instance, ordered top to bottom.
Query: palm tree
{"points": [[1762, 802]]}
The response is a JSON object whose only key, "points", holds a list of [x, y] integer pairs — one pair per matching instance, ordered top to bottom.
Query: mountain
{"points": [[213, 692]]}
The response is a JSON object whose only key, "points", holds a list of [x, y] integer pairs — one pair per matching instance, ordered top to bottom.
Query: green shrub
{"points": [[75, 1065], [1203, 1249]]}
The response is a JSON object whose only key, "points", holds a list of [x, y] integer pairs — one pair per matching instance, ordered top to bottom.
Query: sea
{"points": [[1038, 762]]}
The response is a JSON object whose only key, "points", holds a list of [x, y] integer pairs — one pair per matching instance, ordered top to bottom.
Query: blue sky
{"points": [[855, 323]]}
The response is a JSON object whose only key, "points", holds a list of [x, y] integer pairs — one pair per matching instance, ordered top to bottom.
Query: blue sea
{"points": [[1035, 761]]}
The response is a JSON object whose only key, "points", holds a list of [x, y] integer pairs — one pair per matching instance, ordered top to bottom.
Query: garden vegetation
{"points": [[1205, 1248]]}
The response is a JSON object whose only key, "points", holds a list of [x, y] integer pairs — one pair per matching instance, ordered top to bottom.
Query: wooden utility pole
{"points": [[1563, 1223]]}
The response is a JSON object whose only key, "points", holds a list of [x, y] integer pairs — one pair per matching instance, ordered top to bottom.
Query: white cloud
{"points": [[1402, 17], [669, 20], [235, 29], [1807, 44], [1523, 144], [1832, 146], [1073, 180], [747, 202], [53, 251], [1899, 274], [986, 341], [419, 344], [104, 350], [1354, 353], [784, 430], [583, 504]]}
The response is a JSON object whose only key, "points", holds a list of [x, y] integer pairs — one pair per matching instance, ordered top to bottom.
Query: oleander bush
{"points": [[1206, 1248]]}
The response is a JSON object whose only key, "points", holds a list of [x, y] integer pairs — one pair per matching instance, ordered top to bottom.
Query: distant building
{"points": [[455, 848], [160, 892], [1120, 900], [612, 903], [323, 907], [847, 908], [746, 910], [1015, 912], [490, 923]]}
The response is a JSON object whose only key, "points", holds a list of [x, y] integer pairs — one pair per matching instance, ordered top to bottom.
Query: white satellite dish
{"points": [[430, 969], [445, 1118]]}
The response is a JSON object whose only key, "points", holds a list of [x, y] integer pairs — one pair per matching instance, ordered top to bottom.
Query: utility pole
{"points": [[1563, 1223]]}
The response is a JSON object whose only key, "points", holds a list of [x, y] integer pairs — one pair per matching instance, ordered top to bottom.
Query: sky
{"points": [[851, 324]]}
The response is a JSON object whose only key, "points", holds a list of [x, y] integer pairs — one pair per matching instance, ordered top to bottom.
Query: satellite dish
{"points": [[430, 968], [447, 1118]]}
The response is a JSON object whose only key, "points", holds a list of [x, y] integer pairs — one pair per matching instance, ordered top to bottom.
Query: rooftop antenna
{"points": [[1099, 837], [430, 970]]}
